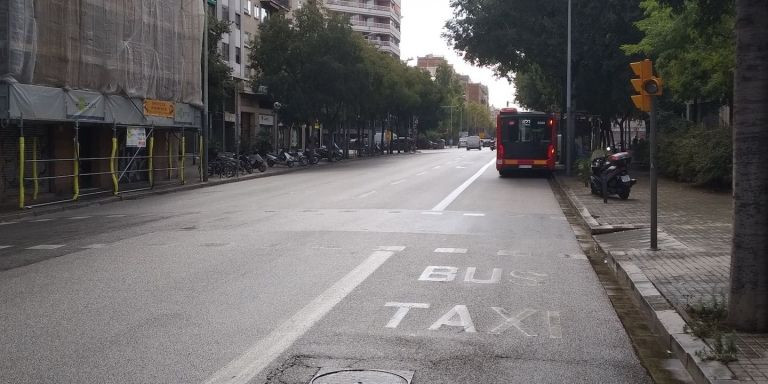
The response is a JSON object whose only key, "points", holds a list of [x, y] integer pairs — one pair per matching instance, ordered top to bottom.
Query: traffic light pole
{"points": [[569, 128], [652, 155]]}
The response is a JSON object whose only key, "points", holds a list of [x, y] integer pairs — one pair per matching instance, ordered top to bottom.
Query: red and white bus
{"points": [[525, 140]]}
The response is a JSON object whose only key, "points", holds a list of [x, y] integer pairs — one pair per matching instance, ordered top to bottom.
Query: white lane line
{"points": [[436, 167], [460, 167], [421, 173], [397, 182], [456, 192], [364, 195], [431, 213], [475, 214], [115, 216], [78, 217], [41, 220], [8, 222], [5, 246], [46, 246], [94, 246], [393, 248], [450, 250], [243, 369]]}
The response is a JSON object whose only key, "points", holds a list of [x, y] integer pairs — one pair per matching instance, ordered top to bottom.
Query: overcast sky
{"points": [[422, 24]]}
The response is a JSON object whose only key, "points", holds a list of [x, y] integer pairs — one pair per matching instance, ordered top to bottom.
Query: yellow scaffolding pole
{"points": [[183, 153], [200, 157], [170, 159], [151, 161], [112, 167], [76, 168], [21, 172], [35, 181]]}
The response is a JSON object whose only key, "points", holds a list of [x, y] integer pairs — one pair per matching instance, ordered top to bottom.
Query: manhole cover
{"points": [[361, 376]]}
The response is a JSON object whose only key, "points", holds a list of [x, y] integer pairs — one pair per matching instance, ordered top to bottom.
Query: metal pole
{"points": [[206, 126], [450, 137], [569, 139], [652, 155], [21, 164]]}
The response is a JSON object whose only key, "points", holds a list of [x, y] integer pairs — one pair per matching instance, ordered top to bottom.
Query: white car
{"points": [[462, 142], [474, 142]]}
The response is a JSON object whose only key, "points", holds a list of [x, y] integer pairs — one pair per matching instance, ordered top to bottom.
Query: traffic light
{"points": [[647, 85]]}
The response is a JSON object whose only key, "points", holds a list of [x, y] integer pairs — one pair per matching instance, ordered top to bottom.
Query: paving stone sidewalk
{"points": [[693, 262]]}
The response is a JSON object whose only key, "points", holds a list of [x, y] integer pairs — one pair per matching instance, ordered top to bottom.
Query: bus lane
{"points": [[492, 313]]}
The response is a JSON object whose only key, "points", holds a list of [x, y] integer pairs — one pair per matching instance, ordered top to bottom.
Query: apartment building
{"points": [[377, 20], [430, 63], [476, 93], [251, 109]]}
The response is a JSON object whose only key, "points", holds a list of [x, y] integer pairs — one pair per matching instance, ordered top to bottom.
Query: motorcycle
{"points": [[311, 156], [283, 158], [300, 158], [257, 162], [610, 176]]}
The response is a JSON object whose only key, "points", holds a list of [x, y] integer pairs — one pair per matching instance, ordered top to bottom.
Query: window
{"points": [[248, 8], [225, 13], [237, 20], [225, 51], [237, 55]]}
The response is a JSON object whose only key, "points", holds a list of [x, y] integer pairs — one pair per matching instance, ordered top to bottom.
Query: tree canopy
{"points": [[320, 70]]}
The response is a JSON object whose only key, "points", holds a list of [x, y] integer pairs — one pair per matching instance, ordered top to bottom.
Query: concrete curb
{"points": [[161, 190], [665, 320]]}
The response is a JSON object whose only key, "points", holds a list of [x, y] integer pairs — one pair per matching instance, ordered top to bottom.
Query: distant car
{"points": [[462, 142], [474, 142], [486, 142]]}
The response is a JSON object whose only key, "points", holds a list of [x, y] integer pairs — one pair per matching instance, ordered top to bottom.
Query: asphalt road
{"points": [[422, 264]]}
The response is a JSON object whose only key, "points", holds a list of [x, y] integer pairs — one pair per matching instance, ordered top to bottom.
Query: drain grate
{"points": [[361, 376]]}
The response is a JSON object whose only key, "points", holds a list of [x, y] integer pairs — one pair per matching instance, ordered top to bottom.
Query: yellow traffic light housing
{"points": [[647, 85]]}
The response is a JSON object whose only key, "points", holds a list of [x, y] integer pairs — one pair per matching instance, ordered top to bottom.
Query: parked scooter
{"points": [[311, 156], [283, 158], [257, 162], [610, 176]]}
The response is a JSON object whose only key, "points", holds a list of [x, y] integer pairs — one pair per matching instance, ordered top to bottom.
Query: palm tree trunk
{"points": [[748, 306]]}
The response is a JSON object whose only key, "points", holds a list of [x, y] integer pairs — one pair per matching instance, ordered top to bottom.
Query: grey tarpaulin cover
{"points": [[137, 48]]}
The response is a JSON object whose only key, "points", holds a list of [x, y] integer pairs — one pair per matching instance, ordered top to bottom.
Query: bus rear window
{"points": [[525, 130]]}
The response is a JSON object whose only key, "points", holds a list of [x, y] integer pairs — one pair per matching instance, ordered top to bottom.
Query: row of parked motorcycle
{"points": [[231, 164]]}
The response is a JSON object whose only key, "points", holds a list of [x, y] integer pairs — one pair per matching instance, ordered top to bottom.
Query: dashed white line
{"points": [[436, 167], [460, 167], [421, 173], [397, 182], [364, 195], [431, 213], [475, 214], [115, 216], [79, 217], [41, 220], [8, 222], [5, 246], [46, 246], [94, 246], [450, 250], [258, 356]]}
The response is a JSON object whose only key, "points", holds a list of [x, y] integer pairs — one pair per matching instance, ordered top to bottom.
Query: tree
{"points": [[528, 37], [696, 59], [220, 84], [748, 305]]}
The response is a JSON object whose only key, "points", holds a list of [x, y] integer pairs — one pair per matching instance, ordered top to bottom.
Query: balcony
{"points": [[276, 5], [355, 7], [381, 28], [386, 46]]}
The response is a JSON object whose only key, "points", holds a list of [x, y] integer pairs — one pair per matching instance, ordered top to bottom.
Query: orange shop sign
{"points": [[159, 108]]}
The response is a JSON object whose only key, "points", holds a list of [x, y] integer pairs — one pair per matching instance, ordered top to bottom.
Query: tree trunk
{"points": [[748, 305]]}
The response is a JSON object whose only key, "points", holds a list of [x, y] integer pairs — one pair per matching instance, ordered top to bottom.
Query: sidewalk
{"points": [[693, 262]]}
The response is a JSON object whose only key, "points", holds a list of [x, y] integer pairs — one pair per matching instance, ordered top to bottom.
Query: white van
{"points": [[474, 142]]}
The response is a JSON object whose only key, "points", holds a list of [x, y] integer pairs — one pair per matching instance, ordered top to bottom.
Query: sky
{"points": [[422, 24]]}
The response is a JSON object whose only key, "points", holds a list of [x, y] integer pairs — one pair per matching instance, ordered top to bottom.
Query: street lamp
{"points": [[276, 107], [569, 130]]}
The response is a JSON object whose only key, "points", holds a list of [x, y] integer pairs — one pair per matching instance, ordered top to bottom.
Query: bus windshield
{"points": [[526, 130]]}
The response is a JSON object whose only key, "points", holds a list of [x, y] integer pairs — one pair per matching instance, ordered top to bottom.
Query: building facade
{"points": [[377, 20], [430, 63], [476, 93], [250, 110]]}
